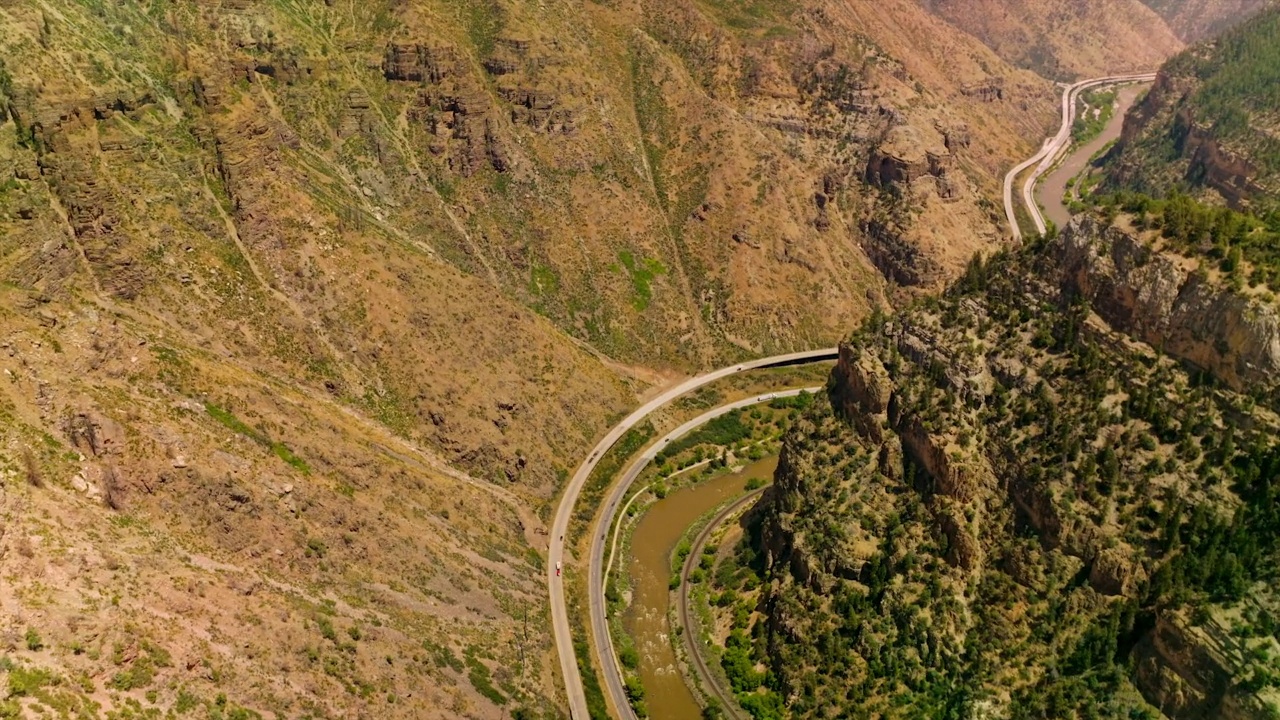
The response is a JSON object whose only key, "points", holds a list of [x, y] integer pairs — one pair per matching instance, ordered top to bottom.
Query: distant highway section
{"points": [[1051, 149]]}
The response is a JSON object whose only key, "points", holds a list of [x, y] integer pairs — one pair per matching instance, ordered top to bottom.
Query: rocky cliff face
{"points": [[1205, 126], [1201, 157], [1162, 299], [861, 390], [1018, 443], [1191, 672]]}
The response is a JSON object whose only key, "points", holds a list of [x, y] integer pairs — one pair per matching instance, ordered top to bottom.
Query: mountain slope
{"points": [[1066, 41], [1210, 123], [491, 130]]}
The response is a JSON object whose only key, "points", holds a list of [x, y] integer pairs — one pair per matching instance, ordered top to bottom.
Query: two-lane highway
{"points": [[1052, 147], [555, 555], [599, 570]]}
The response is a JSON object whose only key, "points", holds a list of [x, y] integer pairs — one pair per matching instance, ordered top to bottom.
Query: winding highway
{"points": [[1052, 147], [1045, 158], [556, 554], [605, 653]]}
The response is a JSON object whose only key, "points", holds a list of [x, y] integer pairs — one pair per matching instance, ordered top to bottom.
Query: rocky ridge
{"points": [[1208, 124], [1168, 302], [990, 447]]}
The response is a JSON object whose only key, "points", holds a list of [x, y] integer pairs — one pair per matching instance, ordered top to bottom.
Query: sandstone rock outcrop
{"points": [[989, 90], [1201, 154], [905, 155], [1157, 298], [861, 390], [93, 434], [959, 474], [1116, 571], [1187, 674]]}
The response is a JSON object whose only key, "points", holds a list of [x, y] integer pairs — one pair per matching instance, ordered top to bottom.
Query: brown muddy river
{"points": [[1050, 190], [645, 620]]}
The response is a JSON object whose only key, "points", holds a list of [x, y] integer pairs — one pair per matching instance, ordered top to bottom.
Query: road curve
{"points": [[1048, 153], [555, 554], [605, 653], [727, 701]]}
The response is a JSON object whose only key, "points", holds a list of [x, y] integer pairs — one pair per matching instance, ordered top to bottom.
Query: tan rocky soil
{"points": [[308, 308]]}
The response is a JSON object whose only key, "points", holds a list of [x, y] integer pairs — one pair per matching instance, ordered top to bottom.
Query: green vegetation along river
{"points": [[1054, 186], [646, 619]]}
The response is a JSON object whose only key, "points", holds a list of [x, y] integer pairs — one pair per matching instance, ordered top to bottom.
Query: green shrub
{"points": [[139, 675], [478, 675], [23, 681]]}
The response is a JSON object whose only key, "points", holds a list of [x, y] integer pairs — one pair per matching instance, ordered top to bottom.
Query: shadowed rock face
{"points": [[1204, 160], [1232, 174], [1160, 299], [1183, 670]]}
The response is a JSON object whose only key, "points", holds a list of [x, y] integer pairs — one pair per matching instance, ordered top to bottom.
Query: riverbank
{"points": [[1051, 189], [655, 546], [695, 620]]}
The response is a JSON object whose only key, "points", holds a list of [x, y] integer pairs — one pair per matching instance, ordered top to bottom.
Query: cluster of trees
{"points": [[1097, 108], [1221, 234], [1224, 236], [794, 402], [724, 431], [1217, 556], [736, 578], [739, 664], [1088, 673]]}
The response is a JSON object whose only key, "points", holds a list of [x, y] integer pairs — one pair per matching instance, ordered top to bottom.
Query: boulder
{"points": [[93, 434]]}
